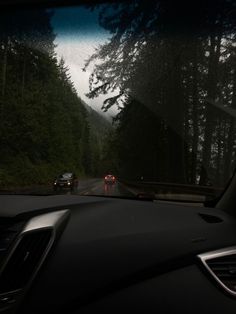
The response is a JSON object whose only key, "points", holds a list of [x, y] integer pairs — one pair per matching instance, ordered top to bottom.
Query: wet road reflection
{"points": [[85, 187], [98, 187], [109, 189]]}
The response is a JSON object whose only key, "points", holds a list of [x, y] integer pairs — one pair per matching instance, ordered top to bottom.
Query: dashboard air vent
{"points": [[211, 219], [24, 247], [24, 260], [221, 265]]}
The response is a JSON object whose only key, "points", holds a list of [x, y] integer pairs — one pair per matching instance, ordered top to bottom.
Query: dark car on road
{"points": [[66, 180]]}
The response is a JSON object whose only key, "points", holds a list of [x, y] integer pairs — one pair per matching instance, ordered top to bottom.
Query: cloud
{"points": [[78, 35]]}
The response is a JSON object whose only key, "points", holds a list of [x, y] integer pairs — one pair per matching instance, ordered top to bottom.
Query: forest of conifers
{"points": [[173, 67], [44, 129]]}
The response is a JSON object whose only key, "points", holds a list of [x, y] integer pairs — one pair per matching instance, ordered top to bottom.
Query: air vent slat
{"points": [[24, 260], [226, 262], [221, 267], [224, 277]]}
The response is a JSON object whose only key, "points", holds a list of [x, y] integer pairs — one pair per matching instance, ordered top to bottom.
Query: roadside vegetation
{"points": [[45, 129]]}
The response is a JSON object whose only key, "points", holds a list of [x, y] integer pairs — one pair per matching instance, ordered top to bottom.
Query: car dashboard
{"points": [[81, 254]]}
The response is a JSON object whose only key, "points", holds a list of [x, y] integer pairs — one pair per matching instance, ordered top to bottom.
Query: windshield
{"points": [[135, 98], [65, 176]]}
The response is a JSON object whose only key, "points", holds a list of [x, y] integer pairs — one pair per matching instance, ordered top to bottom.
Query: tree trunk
{"points": [[4, 68], [23, 76], [211, 93], [195, 119], [175, 120], [230, 142]]}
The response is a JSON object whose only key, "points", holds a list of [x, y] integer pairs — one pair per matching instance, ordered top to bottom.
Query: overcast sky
{"points": [[78, 34]]}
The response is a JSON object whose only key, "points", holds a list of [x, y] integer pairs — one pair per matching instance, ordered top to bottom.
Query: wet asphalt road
{"points": [[85, 187], [98, 187]]}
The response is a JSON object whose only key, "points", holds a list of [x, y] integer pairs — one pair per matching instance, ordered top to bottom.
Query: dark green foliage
{"points": [[171, 63], [44, 126], [138, 147]]}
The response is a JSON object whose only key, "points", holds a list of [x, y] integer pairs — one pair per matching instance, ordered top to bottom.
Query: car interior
{"points": [[83, 253]]}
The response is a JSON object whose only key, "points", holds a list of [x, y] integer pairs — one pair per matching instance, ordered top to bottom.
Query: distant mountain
{"points": [[98, 122], [99, 127]]}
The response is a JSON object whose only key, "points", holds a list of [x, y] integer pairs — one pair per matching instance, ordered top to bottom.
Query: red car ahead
{"points": [[109, 179]]}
